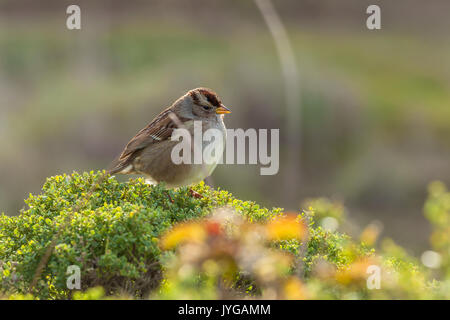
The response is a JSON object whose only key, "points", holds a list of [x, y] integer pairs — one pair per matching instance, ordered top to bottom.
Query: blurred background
{"points": [[374, 110]]}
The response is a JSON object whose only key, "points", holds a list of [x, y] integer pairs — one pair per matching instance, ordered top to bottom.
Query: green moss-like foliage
{"points": [[112, 233], [113, 238]]}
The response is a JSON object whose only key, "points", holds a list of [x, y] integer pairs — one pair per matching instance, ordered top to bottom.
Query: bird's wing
{"points": [[158, 130]]}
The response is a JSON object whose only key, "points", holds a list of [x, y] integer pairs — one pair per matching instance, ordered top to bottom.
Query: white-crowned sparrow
{"points": [[149, 152]]}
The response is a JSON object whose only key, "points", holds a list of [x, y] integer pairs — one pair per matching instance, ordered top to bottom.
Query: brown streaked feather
{"points": [[158, 130]]}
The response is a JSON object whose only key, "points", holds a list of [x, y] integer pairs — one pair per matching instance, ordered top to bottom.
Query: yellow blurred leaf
{"points": [[286, 228], [183, 233], [370, 234], [355, 272], [293, 289]]}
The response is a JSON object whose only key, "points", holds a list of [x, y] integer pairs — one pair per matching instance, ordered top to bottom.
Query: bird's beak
{"points": [[222, 110]]}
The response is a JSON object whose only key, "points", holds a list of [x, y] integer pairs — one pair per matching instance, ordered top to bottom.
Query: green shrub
{"points": [[115, 233], [113, 238]]}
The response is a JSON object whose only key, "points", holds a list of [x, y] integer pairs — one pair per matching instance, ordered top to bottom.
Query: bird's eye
{"points": [[207, 108]]}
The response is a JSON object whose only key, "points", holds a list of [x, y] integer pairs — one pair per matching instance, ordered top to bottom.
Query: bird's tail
{"points": [[117, 166]]}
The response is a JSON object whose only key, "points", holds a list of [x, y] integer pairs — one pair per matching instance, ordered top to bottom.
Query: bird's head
{"points": [[203, 103]]}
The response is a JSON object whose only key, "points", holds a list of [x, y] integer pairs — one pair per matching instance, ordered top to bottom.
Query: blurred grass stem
{"points": [[289, 68]]}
